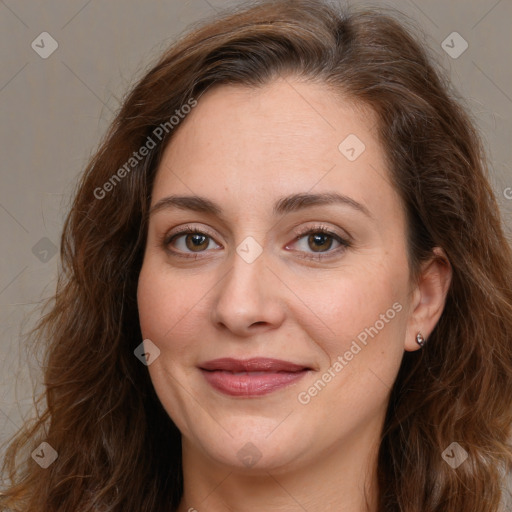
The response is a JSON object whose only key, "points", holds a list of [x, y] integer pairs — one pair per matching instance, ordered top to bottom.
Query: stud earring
{"points": [[420, 340]]}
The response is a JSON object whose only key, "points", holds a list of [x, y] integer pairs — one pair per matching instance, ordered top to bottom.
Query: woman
{"points": [[285, 286]]}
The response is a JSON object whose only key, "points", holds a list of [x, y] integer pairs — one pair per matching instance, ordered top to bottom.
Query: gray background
{"points": [[55, 110]]}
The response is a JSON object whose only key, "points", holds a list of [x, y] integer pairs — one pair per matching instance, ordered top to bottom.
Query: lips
{"points": [[257, 364], [251, 377]]}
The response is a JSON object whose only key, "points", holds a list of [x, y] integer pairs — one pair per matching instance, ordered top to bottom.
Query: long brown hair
{"points": [[118, 450]]}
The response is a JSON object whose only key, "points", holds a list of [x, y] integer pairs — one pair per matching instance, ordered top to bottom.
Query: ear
{"points": [[429, 298]]}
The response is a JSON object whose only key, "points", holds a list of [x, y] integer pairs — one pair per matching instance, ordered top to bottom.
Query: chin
{"points": [[252, 444]]}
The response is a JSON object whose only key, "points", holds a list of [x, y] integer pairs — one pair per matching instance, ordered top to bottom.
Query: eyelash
{"points": [[186, 230], [344, 243]]}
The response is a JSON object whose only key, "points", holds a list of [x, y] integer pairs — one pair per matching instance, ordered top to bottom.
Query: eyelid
{"points": [[188, 228], [323, 228], [343, 240]]}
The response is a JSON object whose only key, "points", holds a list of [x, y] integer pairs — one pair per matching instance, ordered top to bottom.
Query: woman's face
{"points": [[279, 343]]}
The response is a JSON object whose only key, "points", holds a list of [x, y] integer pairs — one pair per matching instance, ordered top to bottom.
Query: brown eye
{"points": [[190, 241], [196, 241], [320, 242]]}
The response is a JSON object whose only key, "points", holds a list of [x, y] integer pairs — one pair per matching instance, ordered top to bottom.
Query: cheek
{"points": [[151, 297], [158, 301], [168, 305], [364, 307], [361, 334]]}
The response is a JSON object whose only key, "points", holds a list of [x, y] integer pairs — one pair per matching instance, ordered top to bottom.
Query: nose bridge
{"points": [[244, 277], [246, 295]]}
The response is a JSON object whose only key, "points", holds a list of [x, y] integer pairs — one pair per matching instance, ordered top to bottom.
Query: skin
{"points": [[244, 149]]}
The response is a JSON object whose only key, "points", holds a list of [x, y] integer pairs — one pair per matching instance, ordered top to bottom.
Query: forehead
{"points": [[289, 136]]}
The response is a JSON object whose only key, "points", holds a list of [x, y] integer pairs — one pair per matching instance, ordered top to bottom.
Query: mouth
{"points": [[251, 377]]}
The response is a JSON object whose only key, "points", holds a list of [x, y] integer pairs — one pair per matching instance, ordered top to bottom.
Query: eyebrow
{"points": [[288, 204]]}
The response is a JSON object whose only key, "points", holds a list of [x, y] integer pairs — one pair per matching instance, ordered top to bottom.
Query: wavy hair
{"points": [[118, 450]]}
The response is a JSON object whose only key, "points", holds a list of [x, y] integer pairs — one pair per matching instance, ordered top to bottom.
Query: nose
{"points": [[248, 300]]}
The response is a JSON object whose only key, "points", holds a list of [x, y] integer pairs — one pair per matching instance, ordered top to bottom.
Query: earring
{"points": [[420, 340]]}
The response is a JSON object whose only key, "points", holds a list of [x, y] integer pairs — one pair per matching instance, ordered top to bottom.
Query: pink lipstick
{"points": [[251, 377]]}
